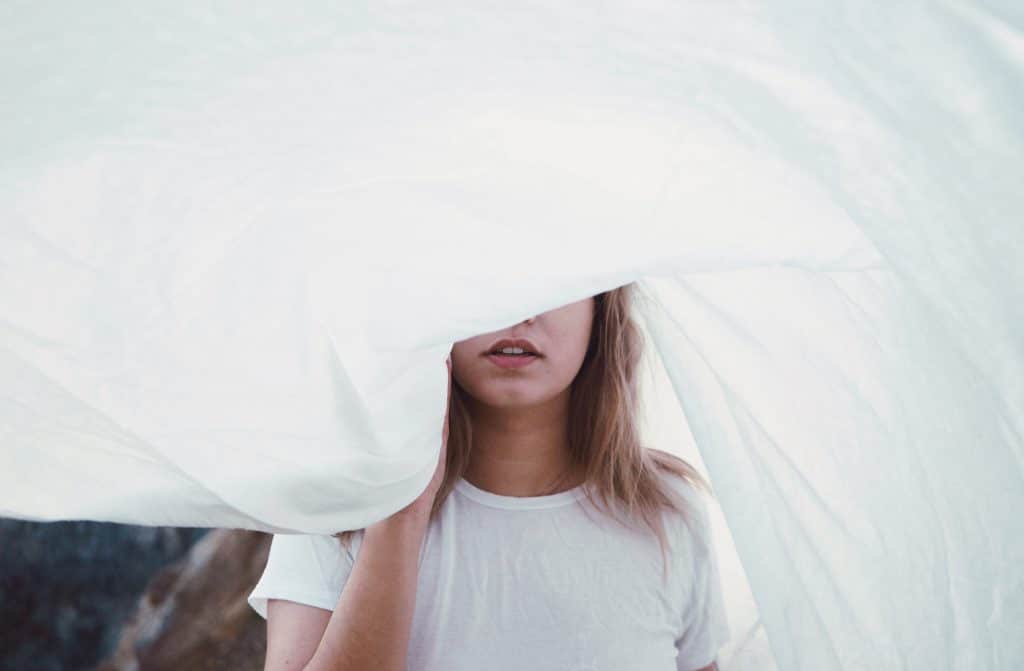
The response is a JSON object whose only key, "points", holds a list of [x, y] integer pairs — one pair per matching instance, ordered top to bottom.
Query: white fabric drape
{"points": [[236, 246]]}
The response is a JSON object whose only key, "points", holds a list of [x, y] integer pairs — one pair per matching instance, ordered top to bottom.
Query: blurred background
{"points": [[79, 595]]}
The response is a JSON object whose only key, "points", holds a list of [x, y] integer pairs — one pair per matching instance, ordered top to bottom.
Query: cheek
{"points": [[575, 341], [464, 353], [571, 359], [465, 368], [557, 372]]}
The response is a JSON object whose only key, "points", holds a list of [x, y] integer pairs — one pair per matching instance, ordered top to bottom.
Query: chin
{"points": [[510, 398], [512, 401]]}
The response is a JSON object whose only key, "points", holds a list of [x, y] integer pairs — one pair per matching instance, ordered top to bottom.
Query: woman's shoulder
{"points": [[691, 520], [315, 543], [326, 551]]}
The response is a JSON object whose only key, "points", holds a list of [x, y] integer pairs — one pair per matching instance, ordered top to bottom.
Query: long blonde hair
{"points": [[621, 474]]}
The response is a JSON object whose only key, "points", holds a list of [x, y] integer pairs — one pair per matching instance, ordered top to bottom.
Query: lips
{"points": [[522, 343], [512, 360]]}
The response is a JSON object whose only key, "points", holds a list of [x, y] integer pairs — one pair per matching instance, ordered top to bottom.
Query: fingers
{"points": [[448, 365], [448, 405]]}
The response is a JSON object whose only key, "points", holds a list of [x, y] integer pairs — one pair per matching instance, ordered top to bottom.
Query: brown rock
{"points": [[194, 614]]}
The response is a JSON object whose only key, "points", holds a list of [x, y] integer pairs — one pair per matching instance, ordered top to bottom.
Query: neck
{"points": [[523, 450]]}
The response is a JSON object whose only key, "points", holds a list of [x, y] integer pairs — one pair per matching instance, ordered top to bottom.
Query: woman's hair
{"points": [[621, 474]]}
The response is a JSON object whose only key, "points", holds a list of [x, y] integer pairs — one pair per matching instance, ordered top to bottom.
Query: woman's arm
{"points": [[370, 626], [298, 636]]}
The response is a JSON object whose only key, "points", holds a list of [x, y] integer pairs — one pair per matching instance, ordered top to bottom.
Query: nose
{"points": [[529, 320]]}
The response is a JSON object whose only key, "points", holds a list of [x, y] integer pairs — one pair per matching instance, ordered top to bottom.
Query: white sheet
{"points": [[235, 247]]}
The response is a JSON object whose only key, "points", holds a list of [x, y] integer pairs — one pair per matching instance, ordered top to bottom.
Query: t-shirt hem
{"points": [[258, 601], [696, 664]]}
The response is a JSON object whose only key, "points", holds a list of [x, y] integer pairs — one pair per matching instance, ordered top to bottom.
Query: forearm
{"points": [[371, 624]]}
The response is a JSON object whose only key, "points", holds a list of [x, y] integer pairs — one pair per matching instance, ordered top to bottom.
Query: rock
{"points": [[67, 587], [194, 613]]}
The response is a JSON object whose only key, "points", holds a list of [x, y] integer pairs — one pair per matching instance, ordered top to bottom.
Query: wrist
{"points": [[421, 505], [415, 514], [411, 519]]}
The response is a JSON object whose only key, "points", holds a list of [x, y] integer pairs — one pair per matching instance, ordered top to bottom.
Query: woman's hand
{"points": [[425, 501]]}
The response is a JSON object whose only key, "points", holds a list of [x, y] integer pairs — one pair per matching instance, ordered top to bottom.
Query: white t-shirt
{"points": [[534, 583]]}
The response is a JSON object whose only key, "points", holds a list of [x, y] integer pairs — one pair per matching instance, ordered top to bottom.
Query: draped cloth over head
{"points": [[236, 246]]}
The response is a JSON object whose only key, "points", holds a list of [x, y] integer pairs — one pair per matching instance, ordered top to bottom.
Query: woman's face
{"points": [[560, 338]]}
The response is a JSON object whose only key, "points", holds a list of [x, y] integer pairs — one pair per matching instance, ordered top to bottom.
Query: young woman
{"points": [[548, 539]]}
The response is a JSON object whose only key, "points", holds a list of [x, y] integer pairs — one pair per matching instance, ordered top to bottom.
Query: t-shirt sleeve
{"points": [[309, 569], [705, 627]]}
